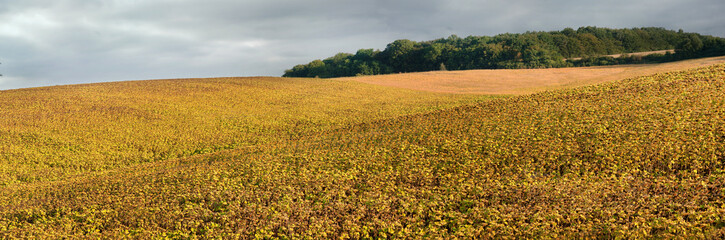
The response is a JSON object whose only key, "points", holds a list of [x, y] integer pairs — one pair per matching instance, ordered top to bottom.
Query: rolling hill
{"points": [[55, 132], [637, 157]]}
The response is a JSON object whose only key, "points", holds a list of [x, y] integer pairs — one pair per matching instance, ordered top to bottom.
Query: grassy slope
{"points": [[55, 132], [635, 158]]}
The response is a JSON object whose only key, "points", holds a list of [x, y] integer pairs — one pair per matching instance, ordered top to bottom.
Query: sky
{"points": [[60, 42]]}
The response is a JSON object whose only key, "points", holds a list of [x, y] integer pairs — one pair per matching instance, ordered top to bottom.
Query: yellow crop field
{"points": [[55, 132], [270, 158]]}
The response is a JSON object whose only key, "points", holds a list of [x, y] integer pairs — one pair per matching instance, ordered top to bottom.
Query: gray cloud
{"points": [[53, 42]]}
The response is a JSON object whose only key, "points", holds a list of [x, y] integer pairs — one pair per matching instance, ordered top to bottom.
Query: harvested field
{"points": [[524, 81]]}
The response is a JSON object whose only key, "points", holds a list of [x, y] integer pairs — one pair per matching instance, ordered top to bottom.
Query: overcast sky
{"points": [[57, 42]]}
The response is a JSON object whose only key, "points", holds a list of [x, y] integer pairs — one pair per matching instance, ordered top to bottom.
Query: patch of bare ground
{"points": [[524, 81]]}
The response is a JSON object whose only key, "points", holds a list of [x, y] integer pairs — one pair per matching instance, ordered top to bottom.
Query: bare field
{"points": [[524, 81]]}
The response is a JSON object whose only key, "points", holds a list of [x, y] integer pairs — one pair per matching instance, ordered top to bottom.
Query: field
{"points": [[524, 81], [57, 132], [640, 157]]}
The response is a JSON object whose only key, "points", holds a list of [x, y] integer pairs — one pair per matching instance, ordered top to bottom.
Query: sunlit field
{"points": [[525, 81], [55, 132], [640, 157]]}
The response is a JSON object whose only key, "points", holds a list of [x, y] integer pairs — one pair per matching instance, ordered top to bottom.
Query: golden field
{"points": [[524, 81], [55, 132], [641, 157]]}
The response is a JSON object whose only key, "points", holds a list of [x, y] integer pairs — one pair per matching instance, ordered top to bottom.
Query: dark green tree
{"points": [[690, 45], [509, 50], [398, 54]]}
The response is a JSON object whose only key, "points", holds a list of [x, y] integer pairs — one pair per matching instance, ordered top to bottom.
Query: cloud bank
{"points": [[44, 42]]}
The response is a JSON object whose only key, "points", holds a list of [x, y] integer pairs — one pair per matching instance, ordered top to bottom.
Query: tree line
{"points": [[511, 51]]}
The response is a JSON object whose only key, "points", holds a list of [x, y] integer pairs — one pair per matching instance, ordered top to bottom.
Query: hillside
{"points": [[56, 132], [634, 158]]}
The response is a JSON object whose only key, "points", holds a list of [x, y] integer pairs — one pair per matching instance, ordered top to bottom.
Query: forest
{"points": [[588, 45]]}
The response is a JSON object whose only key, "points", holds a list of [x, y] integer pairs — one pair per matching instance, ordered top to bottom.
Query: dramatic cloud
{"points": [[53, 42]]}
